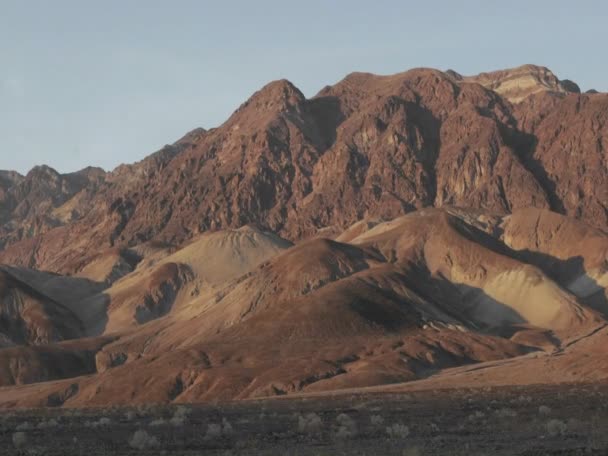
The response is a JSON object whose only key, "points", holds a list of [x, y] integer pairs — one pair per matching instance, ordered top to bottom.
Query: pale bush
{"points": [[523, 399], [182, 410], [544, 410], [506, 413], [130, 415], [478, 415], [179, 418], [376, 420], [177, 421], [102, 422], [158, 422], [51, 423], [99, 423], [309, 424], [25, 426], [557, 427], [226, 428], [347, 428], [214, 431], [398, 431], [19, 439], [141, 440]]}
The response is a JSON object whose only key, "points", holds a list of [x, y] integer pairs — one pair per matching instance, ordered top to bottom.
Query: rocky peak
{"points": [[516, 84], [277, 96], [42, 172], [9, 178]]}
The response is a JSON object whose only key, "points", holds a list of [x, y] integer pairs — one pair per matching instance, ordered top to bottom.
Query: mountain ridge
{"points": [[367, 146]]}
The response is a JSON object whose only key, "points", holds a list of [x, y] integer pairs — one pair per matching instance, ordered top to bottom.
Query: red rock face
{"points": [[369, 146]]}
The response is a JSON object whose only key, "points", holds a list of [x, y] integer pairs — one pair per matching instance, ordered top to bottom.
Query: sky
{"points": [[100, 83]]}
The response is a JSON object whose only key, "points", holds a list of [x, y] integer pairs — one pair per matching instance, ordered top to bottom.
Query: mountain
{"points": [[33, 204], [386, 229]]}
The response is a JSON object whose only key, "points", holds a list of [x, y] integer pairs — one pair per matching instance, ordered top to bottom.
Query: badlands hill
{"points": [[390, 229], [403, 300]]}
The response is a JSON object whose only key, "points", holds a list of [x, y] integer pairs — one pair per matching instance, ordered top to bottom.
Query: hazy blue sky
{"points": [[103, 82]]}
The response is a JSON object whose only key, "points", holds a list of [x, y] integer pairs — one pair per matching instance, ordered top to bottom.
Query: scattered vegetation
{"points": [[506, 413], [180, 416], [477, 416], [376, 420], [101, 422], [51, 423], [309, 424], [25, 426], [347, 428], [557, 428], [391, 429], [217, 431], [398, 431], [19, 439], [141, 440]]}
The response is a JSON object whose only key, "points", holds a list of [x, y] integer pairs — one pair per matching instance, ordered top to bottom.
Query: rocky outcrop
{"points": [[516, 84], [33, 204]]}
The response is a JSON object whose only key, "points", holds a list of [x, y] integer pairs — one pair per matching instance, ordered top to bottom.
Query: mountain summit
{"points": [[516, 84]]}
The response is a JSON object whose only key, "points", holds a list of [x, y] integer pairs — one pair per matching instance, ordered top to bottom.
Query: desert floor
{"points": [[532, 420]]}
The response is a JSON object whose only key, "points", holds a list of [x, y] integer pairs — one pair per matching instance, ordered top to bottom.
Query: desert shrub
{"points": [[523, 399], [182, 410], [544, 410], [506, 413], [130, 415], [478, 415], [180, 416], [376, 420], [158, 422], [51, 423], [99, 423], [309, 424], [25, 426], [227, 428], [347, 428], [556, 428], [216, 431], [398, 431], [19, 439], [141, 440]]}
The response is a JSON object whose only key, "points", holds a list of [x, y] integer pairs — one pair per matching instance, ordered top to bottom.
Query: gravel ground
{"points": [[539, 420]]}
